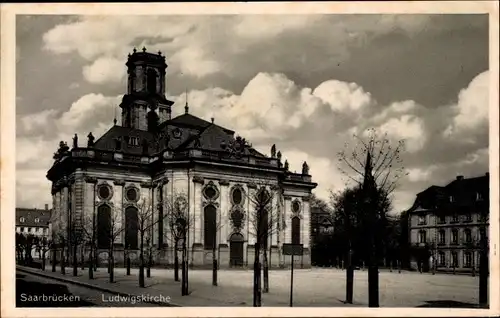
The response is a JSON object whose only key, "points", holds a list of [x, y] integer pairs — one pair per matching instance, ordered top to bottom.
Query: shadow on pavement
{"points": [[35, 294], [448, 304]]}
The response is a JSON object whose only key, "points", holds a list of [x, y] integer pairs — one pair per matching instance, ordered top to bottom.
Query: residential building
{"points": [[155, 161], [33, 221], [445, 224]]}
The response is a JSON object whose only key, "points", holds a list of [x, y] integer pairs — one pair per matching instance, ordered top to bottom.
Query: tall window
{"points": [[151, 82], [455, 218], [421, 219], [442, 219], [103, 226], [131, 227], [210, 229], [295, 230], [468, 235], [422, 236], [454, 236], [442, 237], [441, 259], [454, 259], [467, 259]]}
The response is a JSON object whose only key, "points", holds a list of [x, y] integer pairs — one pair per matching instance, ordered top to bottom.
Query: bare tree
{"points": [[376, 166], [146, 221], [264, 221], [179, 222], [107, 234], [89, 237], [44, 245]]}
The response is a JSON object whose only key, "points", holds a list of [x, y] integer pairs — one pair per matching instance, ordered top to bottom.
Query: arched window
{"points": [[151, 81], [210, 217], [103, 226], [131, 227], [295, 230]]}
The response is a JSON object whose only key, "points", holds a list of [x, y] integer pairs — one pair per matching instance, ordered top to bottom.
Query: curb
{"points": [[90, 286]]}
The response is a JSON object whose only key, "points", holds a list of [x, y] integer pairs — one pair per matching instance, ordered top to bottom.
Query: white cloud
{"points": [[193, 61], [104, 70], [342, 96], [472, 108], [90, 110], [38, 120], [408, 128]]}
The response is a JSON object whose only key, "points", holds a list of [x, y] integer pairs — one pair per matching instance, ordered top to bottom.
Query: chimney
{"points": [[460, 177], [46, 207]]}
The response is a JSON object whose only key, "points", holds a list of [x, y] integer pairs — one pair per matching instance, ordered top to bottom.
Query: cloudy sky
{"points": [[305, 83]]}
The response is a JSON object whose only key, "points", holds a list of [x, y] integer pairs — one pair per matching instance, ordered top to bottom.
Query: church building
{"points": [[152, 166]]}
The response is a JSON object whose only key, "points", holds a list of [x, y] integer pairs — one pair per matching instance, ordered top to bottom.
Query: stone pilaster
{"points": [[78, 196], [118, 207], [225, 207], [198, 210], [64, 211], [288, 220], [306, 224]]}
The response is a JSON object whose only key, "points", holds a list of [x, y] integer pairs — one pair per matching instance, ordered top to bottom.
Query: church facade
{"points": [[132, 180]]}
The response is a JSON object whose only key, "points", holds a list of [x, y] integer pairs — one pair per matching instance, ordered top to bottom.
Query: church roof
{"points": [[192, 121], [193, 132], [108, 140]]}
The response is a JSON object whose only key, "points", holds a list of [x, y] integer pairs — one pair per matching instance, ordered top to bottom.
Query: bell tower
{"points": [[145, 105]]}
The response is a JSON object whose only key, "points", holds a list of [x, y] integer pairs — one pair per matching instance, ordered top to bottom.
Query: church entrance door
{"points": [[236, 250]]}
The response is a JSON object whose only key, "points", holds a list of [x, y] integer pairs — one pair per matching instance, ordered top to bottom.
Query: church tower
{"points": [[145, 106]]}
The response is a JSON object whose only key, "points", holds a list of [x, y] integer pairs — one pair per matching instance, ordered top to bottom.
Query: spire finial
{"points": [[144, 49], [159, 53], [186, 107], [212, 120], [115, 121]]}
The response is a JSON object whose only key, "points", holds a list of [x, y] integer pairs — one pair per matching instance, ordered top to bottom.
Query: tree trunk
{"points": [[82, 256], [75, 259], [43, 260], [54, 260], [150, 261], [141, 263], [176, 263], [91, 264], [111, 265], [128, 265], [214, 266], [63, 269], [483, 269], [266, 273], [256, 278], [349, 279], [373, 284], [184, 291]]}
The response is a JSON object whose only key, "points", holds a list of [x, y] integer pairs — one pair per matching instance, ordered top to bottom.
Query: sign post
{"points": [[292, 249]]}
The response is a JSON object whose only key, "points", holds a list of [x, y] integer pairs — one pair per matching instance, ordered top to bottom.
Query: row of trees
{"points": [[86, 236]]}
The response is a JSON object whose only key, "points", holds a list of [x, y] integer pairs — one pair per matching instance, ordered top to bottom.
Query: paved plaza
{"points": [[312, 287]]}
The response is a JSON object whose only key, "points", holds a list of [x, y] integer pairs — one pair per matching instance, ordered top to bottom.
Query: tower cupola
{"points": [[145, 90]]}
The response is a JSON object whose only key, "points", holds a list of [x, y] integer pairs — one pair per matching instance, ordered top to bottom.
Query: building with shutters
{"points": [[153, 162], [446, 224]]}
